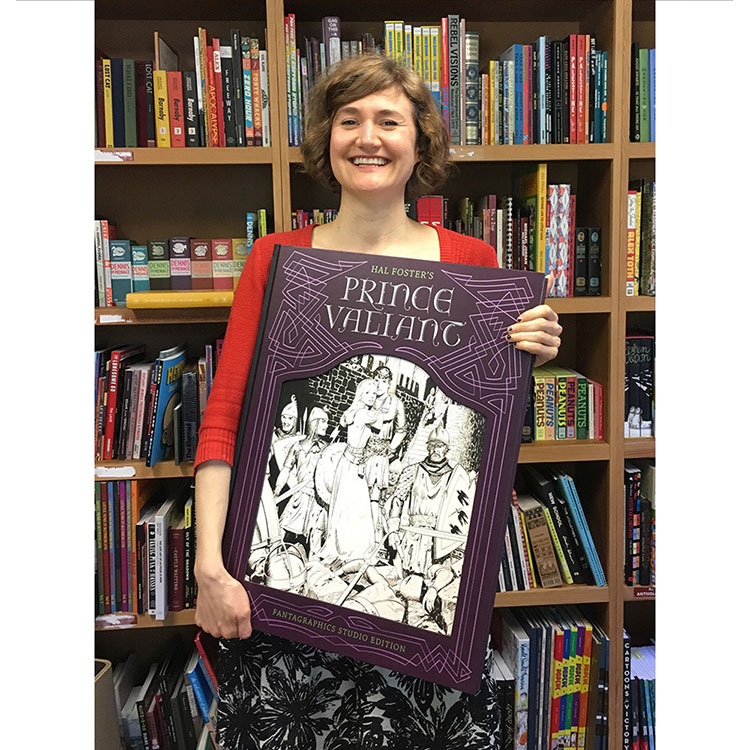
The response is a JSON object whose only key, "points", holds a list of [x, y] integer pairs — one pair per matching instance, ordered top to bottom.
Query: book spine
{"points": [[214, 54], [643, 83], [256, 87], [227, 93], [238, 99], [129, 103], [161, 109], [176, 110], [191, 113], [265, 113], [471, 114], [631, 243], [179, 262], [581, 262], [594, 262], [571, 392], [176, 575], [100, 602]]}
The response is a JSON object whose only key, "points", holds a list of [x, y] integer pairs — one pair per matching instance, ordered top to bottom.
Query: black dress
{"points": [[275, 694]]}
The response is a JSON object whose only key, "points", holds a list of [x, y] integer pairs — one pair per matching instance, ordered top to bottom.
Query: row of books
{"points": [[548, 91], [642, 94], [221, 101], [513, 225], [124, 266], [640, 273], [640, 360], [563, 405], [151, 409], [640, 522], [548, 541], [145, 548], [558, 661], [639, 697], [171, 703]]}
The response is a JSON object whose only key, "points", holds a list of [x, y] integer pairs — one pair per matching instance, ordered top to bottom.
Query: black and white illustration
{"points": [[368, 492]]}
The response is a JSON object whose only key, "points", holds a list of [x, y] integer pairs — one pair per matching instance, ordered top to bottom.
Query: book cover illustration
{"points": [[374, 463]]}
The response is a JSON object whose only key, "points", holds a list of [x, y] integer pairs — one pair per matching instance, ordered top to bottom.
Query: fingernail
{"points": [[518, 319], [510, 329], [507, 336]]}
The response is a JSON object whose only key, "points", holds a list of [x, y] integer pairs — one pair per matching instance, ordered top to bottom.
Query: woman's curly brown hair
{"points": [[355, 78]]}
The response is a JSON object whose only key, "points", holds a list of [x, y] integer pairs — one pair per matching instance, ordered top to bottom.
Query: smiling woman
{"points": [[374, 134]]}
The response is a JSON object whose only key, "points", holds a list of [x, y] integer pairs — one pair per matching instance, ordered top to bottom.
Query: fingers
{"points": [[539, 312]]}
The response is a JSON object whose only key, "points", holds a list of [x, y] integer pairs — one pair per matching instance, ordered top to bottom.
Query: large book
{"points": [[419, 335]]}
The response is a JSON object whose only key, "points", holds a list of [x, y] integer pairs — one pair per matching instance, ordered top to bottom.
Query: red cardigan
{"points": [[218, 431]]}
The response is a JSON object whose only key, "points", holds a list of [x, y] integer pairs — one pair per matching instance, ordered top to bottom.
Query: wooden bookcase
{"points": [[207, 192]]}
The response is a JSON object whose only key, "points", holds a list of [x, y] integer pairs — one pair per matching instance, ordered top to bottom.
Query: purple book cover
{"points": [[376, 456]]}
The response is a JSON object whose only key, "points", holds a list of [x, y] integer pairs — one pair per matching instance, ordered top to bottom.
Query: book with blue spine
{"points": [[514, 54], [652, 92], [121, 270], [161, 443], [568, 490]]}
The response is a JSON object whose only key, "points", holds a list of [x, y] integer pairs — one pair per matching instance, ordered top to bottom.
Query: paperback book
{"points": [[376, 456]]}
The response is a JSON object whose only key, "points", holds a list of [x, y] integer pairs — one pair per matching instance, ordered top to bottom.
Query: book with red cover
{"points": [[214, 56], [581, 74], [573, 79], [176, 108], [430, 210], [201, 273], [346, 345], [118, 360], [177, 566]]}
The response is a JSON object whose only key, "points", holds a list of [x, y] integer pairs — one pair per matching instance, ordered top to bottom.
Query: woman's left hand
{"points": [[537, 332]]}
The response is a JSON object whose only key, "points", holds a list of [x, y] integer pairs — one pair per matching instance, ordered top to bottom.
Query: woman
{"points": [[374, 132], [351, 529]]}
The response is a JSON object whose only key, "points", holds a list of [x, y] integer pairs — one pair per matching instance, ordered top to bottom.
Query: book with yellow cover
{"points": [[161, 108], [109, 133], [532, 189], [178, 299]]}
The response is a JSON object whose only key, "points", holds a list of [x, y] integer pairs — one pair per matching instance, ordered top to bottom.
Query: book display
{"points": [[148, 193]]}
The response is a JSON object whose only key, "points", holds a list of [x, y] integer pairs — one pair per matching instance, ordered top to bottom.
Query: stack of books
{"points": [[546, 91], [642, 94], [219, 98], [302, 218], [532, 229], [182, 263], [640, 273], [566, 405], [151, 409], [640, 522], [548, 541], [145, 544], [559, 661], [170, 704]]}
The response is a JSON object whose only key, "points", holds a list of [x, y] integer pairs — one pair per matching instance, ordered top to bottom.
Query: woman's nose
{"points": [[367, 133]]}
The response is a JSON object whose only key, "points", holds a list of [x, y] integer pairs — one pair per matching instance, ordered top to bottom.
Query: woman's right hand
{"points": [[223, 607]]}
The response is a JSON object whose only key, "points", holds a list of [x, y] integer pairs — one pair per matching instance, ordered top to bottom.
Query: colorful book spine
{"points": [[161, 109], [176, 109], [179, 262], [221, 264], [140, 268], [121, 270], [201, 273]]}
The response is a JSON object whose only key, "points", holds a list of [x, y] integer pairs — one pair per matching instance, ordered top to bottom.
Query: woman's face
{"points": [[373, 144], [369, 393]]}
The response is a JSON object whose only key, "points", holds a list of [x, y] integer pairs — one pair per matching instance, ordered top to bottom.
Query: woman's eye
{"points": [[390, 123]]}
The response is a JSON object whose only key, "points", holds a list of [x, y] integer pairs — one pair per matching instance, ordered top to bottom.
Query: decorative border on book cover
{"points": [[326, 310]]}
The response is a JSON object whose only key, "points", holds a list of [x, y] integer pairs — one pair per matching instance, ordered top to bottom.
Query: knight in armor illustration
{"points": [[303, 518], [428, 525]]}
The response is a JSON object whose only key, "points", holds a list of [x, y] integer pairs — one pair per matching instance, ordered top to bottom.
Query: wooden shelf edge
{"points": [[640, 150], [534, 152], [177, 157], [640, 304], [572, 305], [108, 316], [640, 447], [563, 450], [105, 471], [564, 595], [133, 621]]}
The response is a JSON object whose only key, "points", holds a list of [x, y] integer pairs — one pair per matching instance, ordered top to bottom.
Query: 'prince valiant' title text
{"points": [[396, 311]]}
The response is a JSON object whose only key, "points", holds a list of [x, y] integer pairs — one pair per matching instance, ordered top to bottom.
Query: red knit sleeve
{"points": [[218, 430]]}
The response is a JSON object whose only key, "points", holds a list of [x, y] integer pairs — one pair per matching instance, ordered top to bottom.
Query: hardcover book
{"points": [[375, 459]]}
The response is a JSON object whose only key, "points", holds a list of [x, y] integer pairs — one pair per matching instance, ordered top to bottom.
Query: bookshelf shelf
{"points": [[640, 150], [534, 152], [182, 156], [640, 304], [577, 305], [118, 316], [640, 447], [564, 450], [106, 470], [542, 597], [131, 621]]}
